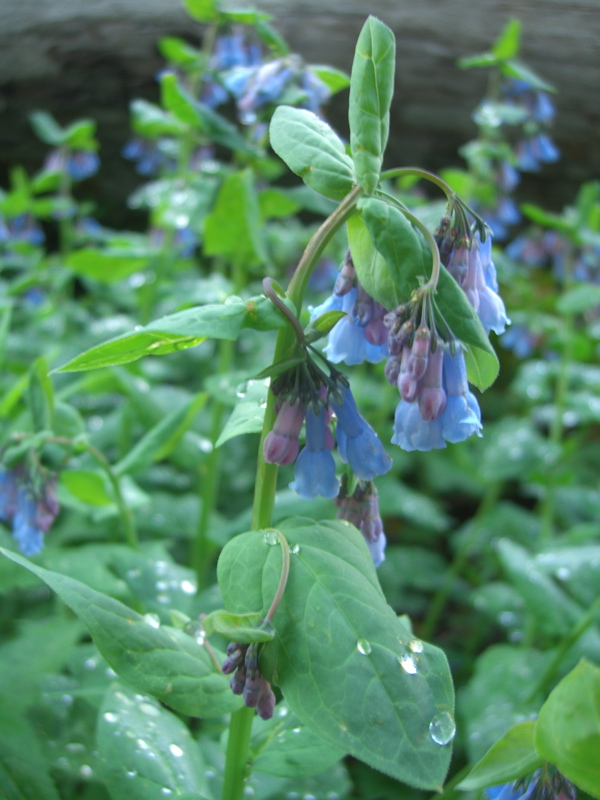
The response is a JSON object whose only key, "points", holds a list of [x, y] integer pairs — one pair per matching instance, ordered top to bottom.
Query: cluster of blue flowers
{"points": [[77, 164], [20, 229], [30, 510], [546, 784]]}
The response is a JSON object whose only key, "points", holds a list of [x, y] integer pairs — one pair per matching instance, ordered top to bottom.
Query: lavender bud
{"points": [[419, 354], [392, 371], [238, 680], [252, 688], [265, 705]]}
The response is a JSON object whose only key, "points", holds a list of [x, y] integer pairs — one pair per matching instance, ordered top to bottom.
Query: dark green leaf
{"points": [[508, 43], [371, 90], [312, 150], [546, 218], [233, 227], [408, 257], [107, 266], [182, 330], [41, 396], [160, 441], [341, 648], [161, 661], [567, 733], [138, 738], [282, 746], [513, 757], [23, 768]]}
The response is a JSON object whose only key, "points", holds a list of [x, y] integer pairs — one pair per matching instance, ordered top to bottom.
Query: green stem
{"points": [[399, 172], [125, 514], [285, 571], [440, 598], [548, 676], [236, 763], [449, 789]]}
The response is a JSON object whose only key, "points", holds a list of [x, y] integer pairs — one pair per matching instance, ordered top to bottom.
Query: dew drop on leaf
{"points": [[271, 538], [294, 549], [188, 587], [152, 620], [416, 645], [363, 647], [408, 664], [150, 710], [110, 717], [442, 728], [176, 750], [86, 771], [131, 773], [164, 790]]}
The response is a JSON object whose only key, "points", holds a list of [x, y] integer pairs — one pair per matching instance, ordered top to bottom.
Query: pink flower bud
{"points": [[281, 444]]}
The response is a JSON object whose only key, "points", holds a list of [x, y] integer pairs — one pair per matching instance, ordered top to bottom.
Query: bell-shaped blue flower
{"points": [[462, 416], [358, 444], [314, 471], [26, 530]]}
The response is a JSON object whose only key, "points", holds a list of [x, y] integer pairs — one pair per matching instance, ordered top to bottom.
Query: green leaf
{"points": [[202, 10], [269, 35], [508, 43], [178, 51], [482, 60], [514, 69], [334, 79], [371, 90], [178, 101], [151, 121], [47, 128], [80, 135], [312, 150], [277, 203], [546, 218], [233, 227], [408, 257], [370, 265], [107, 266], [579, 299], [326, 322], [179, 331], [40, 396], [249, 413], [161, 440], [88, 486], [242, 628], [341, 648], [161, 661], [567, 733], [139, 738], [282, 746], [513, 757], [23, 768]]}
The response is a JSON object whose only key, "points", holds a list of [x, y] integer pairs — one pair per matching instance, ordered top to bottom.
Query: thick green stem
{"points": [[460, 559], [236, 764]]}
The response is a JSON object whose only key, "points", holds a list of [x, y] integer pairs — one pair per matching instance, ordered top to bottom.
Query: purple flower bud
{"points": [[458, 263], [346, 278], [363, 308], [417, 360], [392, 371], [408, 385], [432, 397], [281, 445], [235, 656], [238, 680], [251, 688], [265, 705]]}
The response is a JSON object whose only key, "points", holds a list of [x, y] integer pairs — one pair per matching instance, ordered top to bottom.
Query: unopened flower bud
{"points": [[346, 278], [417, 362], [392, 371], [407, 383], [432, 397], [281, 444], [235, 656], [238, 680], [251, 688], [265, 705]]}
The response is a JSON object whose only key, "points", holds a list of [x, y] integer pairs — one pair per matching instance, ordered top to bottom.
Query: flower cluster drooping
{"points": [[29, 503], [361, 508], [242, 661], [546, 784]]}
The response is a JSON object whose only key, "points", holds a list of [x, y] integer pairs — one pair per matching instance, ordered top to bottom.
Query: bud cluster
{"points": [[28, 501], [361, 509], [242, 661]]}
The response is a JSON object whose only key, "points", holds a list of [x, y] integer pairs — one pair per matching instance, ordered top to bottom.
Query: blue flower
{"points": [[358, 444], [314, 471], [8, 494], [26, 529], [518, 790]]}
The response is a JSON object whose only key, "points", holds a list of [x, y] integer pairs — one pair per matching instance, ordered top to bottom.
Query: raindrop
{"points": [[271, 538], [294, 549], [161, 567], [133, 573], [563, 573], [161, 586], [188, 587], [163, 598], [152, 620], [416, 645], [363, 647], [90, 664], [408, 664], [110, 673], [67, 699], [150, 710], [283, 711], [110, 717], [442, 728], [297, 730], [143, 745], [75, 747], [176, 750], [86, 771], [131, 773], [210, 773], [164, 790], [249, 791], [332, 796], [309, 797]]}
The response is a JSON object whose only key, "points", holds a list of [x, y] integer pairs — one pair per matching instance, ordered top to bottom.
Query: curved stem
{"points": [[399, 172], [277, 301], [285, 571]]}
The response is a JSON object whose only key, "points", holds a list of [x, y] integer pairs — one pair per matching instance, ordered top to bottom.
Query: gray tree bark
{"points": [[91, 58]]}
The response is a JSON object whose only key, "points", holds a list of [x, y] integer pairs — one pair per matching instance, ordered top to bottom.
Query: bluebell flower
{"points": [[264, 86], [317, 93], [534, 151], [148, 157], [480, 286], [281, 444], [358, 444], [314, 471], [8, 493], [362, 510], [26, 530]]}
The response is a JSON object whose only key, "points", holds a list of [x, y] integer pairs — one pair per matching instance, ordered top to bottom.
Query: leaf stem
{"points": [[399, 172], [125, 514], [285, 571]]}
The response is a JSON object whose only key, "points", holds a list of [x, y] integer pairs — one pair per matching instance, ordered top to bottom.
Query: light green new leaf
{"points": [[202, 10], [508, 43], [371, 90], [312, 150], [407, 257], [107, 266], [182, 330], [249, 413], [160, 441], [90, 486], [161, 661], [347, 667], [567, 733], [139, 738], [509, 759], [23, 768]]}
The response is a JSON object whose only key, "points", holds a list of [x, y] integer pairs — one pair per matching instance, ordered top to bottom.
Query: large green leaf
{"points": [[371, 90], [312, 150], [408, 257], [107, 266], [371, 266], [179, 331], [156, 659], [347, 667], [567, 732], [139, 739], [509, 759], [23, 768]]}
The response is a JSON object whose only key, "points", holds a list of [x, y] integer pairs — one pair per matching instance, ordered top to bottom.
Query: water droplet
{"points": [[271, 538], [294, 549], [563, 573], [161, 586], [188, 587], [163, 598], [152, 620], [416, 645], [363, 647], [90, 664], [408, 664], [110, 673], [67, 699], [150, 710], [283, 711], [110, 717], [442, 728], [297, 730], [143, 745], [75, 747], [176, 750], [86, 771], [131, 773], [210, 773], [164, 790], [249, 791], [333, 796], [309, 797]]}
